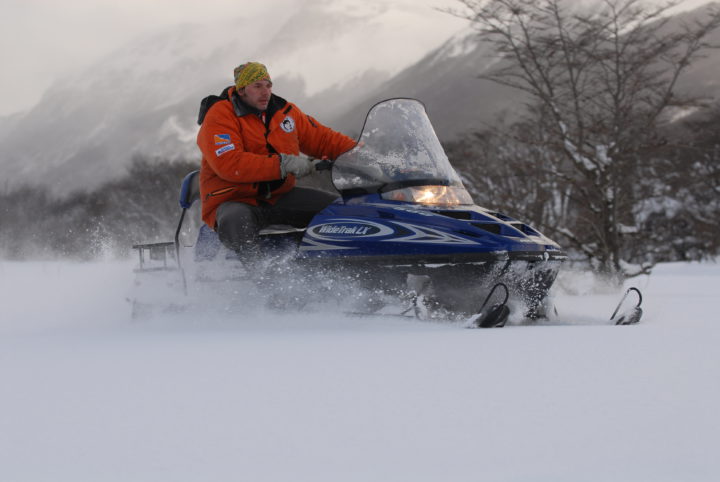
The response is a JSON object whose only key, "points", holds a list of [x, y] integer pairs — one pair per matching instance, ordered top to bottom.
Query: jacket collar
{"points": [[241, 108]]}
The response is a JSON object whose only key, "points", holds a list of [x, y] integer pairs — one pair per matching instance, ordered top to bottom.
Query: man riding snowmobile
{"points": [[251, 141]]}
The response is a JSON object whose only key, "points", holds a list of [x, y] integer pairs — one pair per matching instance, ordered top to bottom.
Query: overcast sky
{"points": [[42, 40]]}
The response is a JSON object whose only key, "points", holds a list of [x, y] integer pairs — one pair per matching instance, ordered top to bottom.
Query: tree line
{"points": [[676, 192], [140, 207], [675, 216]]}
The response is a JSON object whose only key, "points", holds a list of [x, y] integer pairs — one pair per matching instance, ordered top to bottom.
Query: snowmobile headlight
{"points": [[437, 195]]}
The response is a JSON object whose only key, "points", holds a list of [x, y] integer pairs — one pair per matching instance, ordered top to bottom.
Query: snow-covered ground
{"points": [[86, 394]]}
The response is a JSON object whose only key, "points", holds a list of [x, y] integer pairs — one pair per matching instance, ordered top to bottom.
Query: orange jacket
{"points": [[240, 160]]}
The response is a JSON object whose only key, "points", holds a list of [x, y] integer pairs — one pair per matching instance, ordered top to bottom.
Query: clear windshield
{"points": [[398, 154]]}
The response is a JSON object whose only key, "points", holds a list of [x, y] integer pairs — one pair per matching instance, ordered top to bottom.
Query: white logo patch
{"points": [[288, 124], [224, 149]]}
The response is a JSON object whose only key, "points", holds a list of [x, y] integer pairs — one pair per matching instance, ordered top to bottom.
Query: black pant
{"points": [[238, 223]]}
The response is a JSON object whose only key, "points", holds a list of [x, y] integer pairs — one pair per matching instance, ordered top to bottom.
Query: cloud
{"points": [[43, 40]]}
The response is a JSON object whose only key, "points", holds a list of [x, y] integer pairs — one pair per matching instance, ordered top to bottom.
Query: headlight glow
{"points": [[434, 195]]}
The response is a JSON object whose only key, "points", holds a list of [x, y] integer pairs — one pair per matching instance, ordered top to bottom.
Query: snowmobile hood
{"points": [[368, 225]]}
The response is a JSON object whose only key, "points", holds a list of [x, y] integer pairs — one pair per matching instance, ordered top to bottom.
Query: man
{"points": [[250, 141]]}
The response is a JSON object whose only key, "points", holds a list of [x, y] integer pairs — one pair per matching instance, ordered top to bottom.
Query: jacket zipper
{"points": [[219, 192]]}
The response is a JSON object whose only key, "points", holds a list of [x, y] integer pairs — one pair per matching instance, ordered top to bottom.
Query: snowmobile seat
{"points": [[190, 189], [189, 193], [208, 243]]}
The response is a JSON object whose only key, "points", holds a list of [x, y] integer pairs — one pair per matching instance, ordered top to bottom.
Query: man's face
{"points": [[257, 94]]}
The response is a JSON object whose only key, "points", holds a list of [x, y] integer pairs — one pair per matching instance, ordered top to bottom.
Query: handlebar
{"points": [[323, 165]]}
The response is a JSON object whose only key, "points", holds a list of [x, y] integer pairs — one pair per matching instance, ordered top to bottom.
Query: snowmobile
{"points": [[404, 228]]}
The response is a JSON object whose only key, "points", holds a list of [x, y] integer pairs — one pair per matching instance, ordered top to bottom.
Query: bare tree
{"points": [[603, 77], [506, 168], [681, 215]]}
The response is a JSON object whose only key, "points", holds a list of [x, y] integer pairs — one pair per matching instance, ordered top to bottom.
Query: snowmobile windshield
{"points": [[400, 157]]}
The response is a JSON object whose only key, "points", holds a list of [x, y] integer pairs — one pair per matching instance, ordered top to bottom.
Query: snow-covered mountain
{"points": [[333, 58], [447, 81], [144, 97]]}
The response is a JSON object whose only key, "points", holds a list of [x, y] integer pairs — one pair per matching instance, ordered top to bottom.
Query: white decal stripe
{"points": [[422, 234], [316, 246]]}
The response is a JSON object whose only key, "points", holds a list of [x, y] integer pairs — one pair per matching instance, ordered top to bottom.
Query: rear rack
{"points": [[155, 256]]}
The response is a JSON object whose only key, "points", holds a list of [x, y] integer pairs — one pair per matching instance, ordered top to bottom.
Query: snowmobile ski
{"points": [[496, 315], [631, 315]]}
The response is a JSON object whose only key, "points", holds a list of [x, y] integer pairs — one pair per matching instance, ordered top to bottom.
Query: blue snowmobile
{"points": [[403, 226]]}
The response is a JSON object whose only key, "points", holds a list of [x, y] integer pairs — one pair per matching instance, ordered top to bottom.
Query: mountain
{"points": [[334, 58], [446, 81], [143, 98], [458, 101]]}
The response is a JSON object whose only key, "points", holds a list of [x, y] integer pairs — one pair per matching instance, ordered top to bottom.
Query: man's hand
{"points": [[300, 166]]}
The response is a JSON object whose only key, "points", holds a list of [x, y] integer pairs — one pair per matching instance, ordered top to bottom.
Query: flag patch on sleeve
{"points": [[221, 139], [224, 149]]}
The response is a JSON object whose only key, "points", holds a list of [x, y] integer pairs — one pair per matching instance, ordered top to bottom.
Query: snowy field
{"points": [[86, 394]]}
